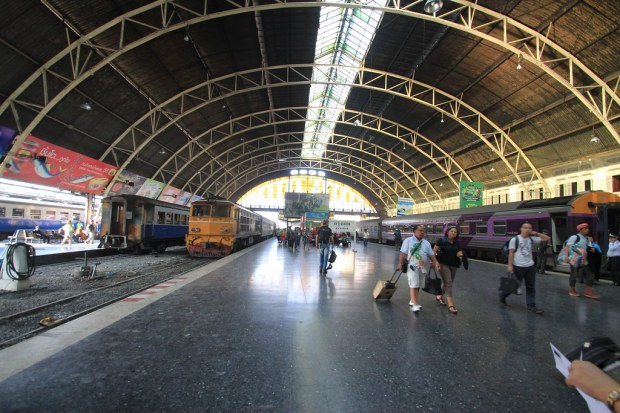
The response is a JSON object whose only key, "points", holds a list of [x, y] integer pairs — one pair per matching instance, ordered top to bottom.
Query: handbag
{"points": [[332, 256], [432, 283], [509, 284]]}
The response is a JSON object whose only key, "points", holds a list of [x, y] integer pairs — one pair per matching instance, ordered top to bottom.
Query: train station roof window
{"points": [[343, 39]]}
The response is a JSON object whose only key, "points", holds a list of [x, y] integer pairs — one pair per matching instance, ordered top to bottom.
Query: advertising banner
{"points": [[6, 137], [39, 162], [127, 183], [151, 189], [169, 194], [470, 194], [174, 195], [296, 204], [404, 206]]}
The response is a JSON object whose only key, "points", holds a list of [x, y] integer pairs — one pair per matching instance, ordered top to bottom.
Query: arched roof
{"points": [[211, 96]]}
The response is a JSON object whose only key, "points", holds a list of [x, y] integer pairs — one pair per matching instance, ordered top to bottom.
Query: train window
{"points": [[588, 184], [201, 210], [220, 211], [2, 212], [18, 212], [35, 214], [50, 214], [64, 216], [76, 216], [161, 217], [168, 217], [183, 219], [481, 227], [438, 228], [464, 228], [499, 228]]}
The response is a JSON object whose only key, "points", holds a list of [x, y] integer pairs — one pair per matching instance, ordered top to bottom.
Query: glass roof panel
{"points": [[343, 39]]}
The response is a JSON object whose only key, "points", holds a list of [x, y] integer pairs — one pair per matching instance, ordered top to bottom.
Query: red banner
{"points": [[40, 162]]}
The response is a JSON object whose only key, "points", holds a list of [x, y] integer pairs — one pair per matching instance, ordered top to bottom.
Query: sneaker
{"points": [[519, 292], [573, 292], [589, 292], [411, 304], [416, 308], [535, 310]]}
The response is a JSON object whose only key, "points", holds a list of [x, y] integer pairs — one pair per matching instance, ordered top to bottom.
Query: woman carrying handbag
{"points": [[449, 254]]}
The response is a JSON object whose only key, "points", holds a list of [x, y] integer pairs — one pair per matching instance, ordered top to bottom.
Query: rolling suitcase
{"points": [[386, 288]]}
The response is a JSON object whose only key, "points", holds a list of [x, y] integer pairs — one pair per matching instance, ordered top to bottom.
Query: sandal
{"points": [[440, 300], [453, 309]]}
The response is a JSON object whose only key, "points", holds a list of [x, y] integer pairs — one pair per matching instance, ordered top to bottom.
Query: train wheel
{"points": [[161, 248]]}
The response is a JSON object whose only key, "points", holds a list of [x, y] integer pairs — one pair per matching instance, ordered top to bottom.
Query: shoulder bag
{"points": [[432, 284]]}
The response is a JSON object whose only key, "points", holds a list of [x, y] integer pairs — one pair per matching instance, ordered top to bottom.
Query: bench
{"points": [[24, 235]]}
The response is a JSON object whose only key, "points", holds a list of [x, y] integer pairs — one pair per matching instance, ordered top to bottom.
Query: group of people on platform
{"points": [[70, 233], [78, 233], [417, 256]]}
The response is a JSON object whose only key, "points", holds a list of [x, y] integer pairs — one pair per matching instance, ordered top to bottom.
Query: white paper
{"points": [[562, 363]]}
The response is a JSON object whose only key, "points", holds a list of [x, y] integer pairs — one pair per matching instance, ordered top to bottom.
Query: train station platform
{"points": [[54, 252], [261, 331]]}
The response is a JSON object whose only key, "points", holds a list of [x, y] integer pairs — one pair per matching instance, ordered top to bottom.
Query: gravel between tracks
{"points": [[57, 281]]}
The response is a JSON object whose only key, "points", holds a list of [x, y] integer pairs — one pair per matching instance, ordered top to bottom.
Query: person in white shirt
{"points": [[416, 251], [613, 254], [521, 263]]}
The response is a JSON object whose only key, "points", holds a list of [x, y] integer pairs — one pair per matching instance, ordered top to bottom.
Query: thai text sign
{"points": [[40, 162]]}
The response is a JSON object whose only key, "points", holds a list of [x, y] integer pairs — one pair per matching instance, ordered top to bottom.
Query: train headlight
{"points": [[195, 229], [224, 230]]}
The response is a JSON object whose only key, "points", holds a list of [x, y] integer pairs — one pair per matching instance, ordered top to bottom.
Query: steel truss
{"points": [[537, 48], [150, 125], [238, 157]]}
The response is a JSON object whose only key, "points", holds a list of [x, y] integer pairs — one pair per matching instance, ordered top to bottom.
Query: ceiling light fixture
{"points": [[433, 6], [186, 38], [519, 67], [86, 105], [441, 117], [357, 122], [593, 137], [162, 151], [492, 169]]}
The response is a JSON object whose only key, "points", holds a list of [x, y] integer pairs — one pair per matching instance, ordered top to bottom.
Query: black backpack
{"points": [[505, 249]]}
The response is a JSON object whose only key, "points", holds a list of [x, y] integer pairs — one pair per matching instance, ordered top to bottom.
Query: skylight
{"points": [[344, 37]]}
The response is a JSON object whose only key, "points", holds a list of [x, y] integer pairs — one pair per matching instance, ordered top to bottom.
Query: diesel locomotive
{"points": [[219, 227]]}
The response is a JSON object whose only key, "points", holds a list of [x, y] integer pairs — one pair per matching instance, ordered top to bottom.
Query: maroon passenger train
{"points": [[485, 229]]}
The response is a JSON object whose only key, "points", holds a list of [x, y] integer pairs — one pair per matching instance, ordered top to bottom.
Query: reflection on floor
{"points": [[263, 331]]}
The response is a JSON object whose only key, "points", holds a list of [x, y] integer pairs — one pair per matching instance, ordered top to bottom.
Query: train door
{"points": [[117, 221], [608, 222], [559, 231]]}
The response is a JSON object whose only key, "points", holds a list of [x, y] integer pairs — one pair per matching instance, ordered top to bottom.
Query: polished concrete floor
{"points": [[261, 331]]}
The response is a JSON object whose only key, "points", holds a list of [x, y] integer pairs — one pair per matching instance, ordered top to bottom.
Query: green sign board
{"points": [[470, 194]]}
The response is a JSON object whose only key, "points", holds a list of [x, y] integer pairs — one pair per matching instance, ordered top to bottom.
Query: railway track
{"points": [[35, 319]]}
